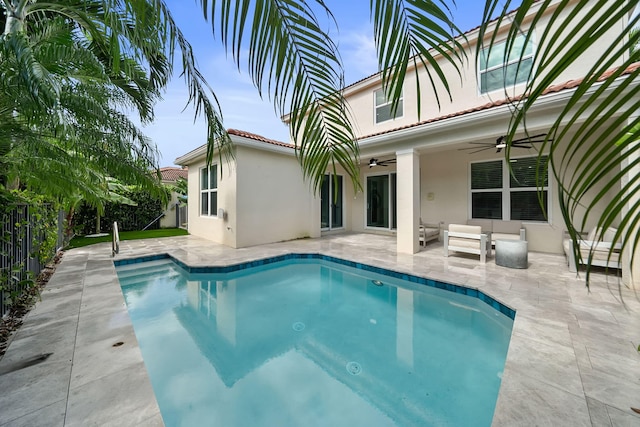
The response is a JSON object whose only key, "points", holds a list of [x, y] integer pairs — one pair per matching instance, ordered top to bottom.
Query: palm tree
{"points": [[81, 64], [70, 117]]}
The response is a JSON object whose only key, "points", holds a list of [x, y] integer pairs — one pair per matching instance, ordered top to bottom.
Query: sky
{"points": [[174, 131]]}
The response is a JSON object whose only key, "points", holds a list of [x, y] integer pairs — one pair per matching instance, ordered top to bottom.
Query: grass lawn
{"points": [[78, 242]]}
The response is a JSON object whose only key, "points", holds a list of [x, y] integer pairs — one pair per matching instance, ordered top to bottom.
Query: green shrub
{"points": [[129, 218]]}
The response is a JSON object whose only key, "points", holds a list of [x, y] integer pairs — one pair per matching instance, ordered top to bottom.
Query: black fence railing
{"points": [[18, 260]]}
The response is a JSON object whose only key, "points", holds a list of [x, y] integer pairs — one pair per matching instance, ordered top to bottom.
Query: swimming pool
{"points": [[312, 342]]}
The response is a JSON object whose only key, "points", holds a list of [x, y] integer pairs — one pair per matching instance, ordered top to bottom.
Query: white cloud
{"points": [[358, 52]]}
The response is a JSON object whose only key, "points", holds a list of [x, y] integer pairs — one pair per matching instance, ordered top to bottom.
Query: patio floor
{"points": [[572, 361]]}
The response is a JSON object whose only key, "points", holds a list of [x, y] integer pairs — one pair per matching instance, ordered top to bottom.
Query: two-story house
{"points": [[433, 167]]}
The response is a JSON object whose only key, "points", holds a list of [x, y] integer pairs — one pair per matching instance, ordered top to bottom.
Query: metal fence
{"points": [[17, 260]]}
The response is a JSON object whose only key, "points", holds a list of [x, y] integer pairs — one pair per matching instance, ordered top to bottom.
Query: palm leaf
{"points": [[408, 32], [294, 62], [602, 106]]}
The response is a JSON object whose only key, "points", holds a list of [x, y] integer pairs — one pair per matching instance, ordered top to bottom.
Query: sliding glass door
{"points": [[381, 201], [331, 202]]}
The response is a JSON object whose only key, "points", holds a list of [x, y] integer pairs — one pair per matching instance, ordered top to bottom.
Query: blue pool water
{"points": [[313, 343]]}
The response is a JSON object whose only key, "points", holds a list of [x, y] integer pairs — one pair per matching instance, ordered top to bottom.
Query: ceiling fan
{"points": [[502, 142], [376, 162]]}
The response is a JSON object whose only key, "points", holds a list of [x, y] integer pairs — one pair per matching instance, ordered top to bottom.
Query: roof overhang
{"points": [[474, 126], [238, 141]]}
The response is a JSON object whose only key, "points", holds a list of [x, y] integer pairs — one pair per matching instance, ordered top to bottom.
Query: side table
{"points": [[512, 253]]}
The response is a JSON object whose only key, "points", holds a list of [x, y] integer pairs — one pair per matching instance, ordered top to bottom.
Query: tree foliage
{"points": [[70, 72], [130, 217]]}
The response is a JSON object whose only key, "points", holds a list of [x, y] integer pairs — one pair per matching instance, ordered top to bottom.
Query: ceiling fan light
{"points": [[373, 162]]}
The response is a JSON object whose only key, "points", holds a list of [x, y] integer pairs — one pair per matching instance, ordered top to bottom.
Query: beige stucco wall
{"points": [[265, 199], [273, 203], [169, 218], [213, 228]]}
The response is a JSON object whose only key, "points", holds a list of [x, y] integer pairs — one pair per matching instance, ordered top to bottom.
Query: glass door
{"points": [[381, 201], [331, 202]]}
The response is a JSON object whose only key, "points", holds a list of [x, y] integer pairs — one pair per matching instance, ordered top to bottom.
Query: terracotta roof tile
{"points": [[571, 84], [257, 137], [169, 173]]}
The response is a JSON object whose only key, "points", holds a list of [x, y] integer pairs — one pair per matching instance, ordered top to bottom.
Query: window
{"points": [[496, 74], [383, 107], [486, 190], [209, 191], [498, 194], [381, 201], [331, 202]]}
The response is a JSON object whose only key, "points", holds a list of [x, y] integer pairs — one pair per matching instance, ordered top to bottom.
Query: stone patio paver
{"points": [[572, 361]]}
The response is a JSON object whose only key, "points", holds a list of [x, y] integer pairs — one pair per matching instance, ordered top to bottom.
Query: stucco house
{"points": [[423, 168]]}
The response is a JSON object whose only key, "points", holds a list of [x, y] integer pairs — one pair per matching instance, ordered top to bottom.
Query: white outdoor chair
{"points": [[469, 239]]}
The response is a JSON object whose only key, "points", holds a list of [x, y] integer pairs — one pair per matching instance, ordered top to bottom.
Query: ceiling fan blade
{"points": [[529, 138], [475, 148], [482, 149]]}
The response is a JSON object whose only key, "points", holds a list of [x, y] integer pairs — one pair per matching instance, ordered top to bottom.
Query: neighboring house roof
{"points": [[571, 84], [170, 173]]}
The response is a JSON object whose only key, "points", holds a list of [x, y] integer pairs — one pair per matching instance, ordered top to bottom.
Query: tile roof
{"points": [[571, 84], [257, 137], [170, 173]]}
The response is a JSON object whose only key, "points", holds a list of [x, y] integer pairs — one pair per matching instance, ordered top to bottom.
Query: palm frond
{"points": [[408, 32], [294, 61], [601, 109]]}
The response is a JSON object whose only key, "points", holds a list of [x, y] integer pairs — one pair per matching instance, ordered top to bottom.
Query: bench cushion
{"points": [[485, 224], [507, 227], [462, 228], [504, 236]]}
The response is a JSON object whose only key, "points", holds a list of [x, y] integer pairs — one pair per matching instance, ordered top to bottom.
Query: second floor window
{"points": [[498, 71], [383, 107]]}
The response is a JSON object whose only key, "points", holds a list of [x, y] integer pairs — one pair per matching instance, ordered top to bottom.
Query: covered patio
{"points": [[572, 360]]}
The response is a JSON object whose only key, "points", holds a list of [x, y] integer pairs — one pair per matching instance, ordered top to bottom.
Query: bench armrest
{"points": [[600, 246]]}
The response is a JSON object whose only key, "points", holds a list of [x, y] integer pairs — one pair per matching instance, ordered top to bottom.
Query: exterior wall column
{"points": [[408, 197], [631, 271]]}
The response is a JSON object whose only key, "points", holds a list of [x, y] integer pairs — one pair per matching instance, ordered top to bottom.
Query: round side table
{"points": [[512, 253]]}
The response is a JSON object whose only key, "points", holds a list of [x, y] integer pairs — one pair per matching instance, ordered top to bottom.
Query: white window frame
{"points": [[503, 65], [375, 106], [213, 168], [506, 191]]}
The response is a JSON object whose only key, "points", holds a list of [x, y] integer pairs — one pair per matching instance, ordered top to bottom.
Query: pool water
{"points": [[313, 343]]}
